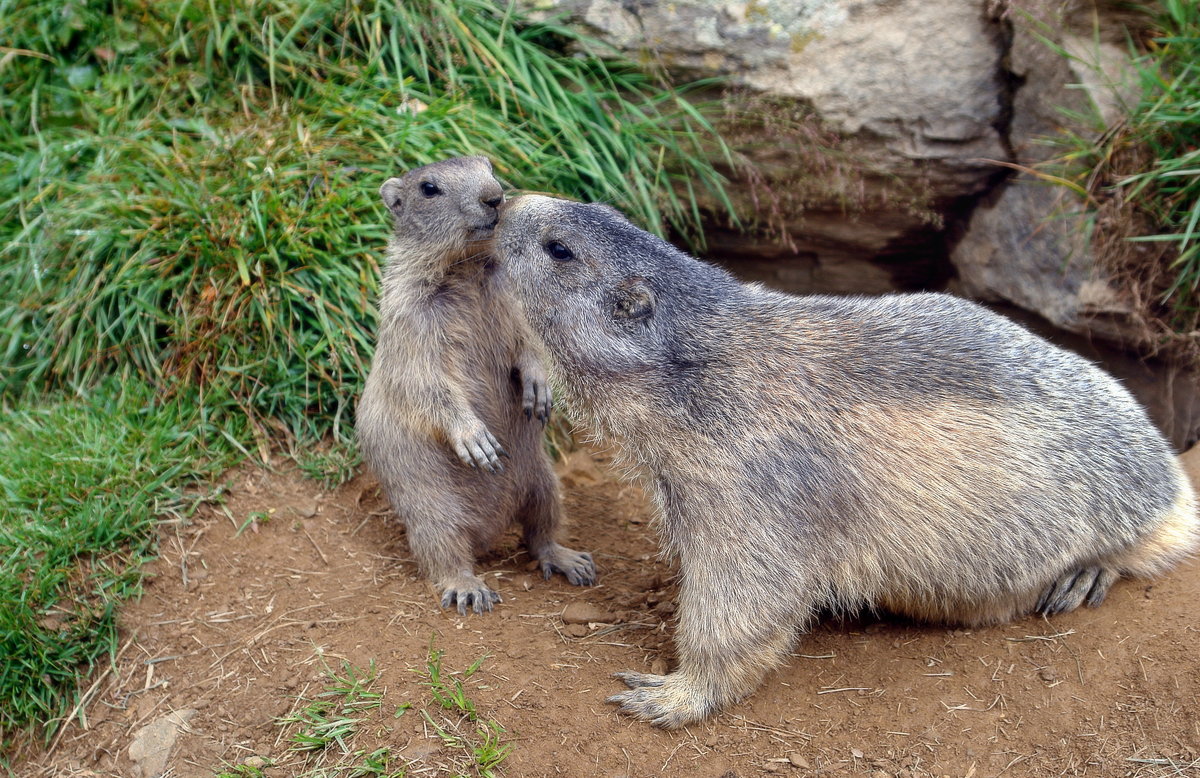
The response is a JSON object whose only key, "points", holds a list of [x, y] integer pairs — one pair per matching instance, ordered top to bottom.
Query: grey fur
{"points": [[456, 385], [910, 453]]}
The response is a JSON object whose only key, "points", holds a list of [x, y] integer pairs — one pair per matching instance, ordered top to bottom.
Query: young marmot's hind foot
{"points": [[577, 566], [1075, 587], [469, 592]]}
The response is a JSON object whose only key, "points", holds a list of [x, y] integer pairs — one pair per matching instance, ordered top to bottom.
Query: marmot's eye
{"points": [[430, 190], [559, 251]]}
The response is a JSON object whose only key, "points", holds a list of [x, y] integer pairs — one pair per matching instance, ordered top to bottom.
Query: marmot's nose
{"points": [[492, 202]]}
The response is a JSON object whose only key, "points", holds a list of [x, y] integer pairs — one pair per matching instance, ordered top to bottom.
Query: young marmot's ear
{"points": [[390, 192], [634, 300]]}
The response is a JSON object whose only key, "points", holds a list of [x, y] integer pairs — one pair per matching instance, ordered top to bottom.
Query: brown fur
{"points": [[456, 387]]}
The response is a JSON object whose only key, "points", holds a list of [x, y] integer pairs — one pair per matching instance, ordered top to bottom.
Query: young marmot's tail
{"points": [[1176, 537]]}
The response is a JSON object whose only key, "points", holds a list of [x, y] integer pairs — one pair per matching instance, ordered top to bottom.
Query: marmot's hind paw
{"points": [[577, 566], [1075, 587], [472, 594]]}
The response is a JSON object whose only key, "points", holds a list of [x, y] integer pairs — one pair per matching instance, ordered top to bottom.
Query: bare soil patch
{"points": [[239, 626]]}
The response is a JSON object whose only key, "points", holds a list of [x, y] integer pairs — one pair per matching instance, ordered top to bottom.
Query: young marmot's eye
{"points": [[430, 190], [558, 251]]}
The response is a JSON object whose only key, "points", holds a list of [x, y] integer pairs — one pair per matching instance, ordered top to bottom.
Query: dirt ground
{"points": [[237, 627]]}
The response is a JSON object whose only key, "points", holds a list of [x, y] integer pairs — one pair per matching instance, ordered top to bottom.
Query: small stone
{"points": [[307, 508], [665, 608], [585, 613], [576, 630], [658, 666], [1047, 674], [152, 744], [856, 753], [798, 761], [257, 762], [773, 767]]}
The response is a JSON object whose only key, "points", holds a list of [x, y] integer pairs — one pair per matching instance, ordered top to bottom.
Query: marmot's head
{"points": [[445, 205], [605, 296]]}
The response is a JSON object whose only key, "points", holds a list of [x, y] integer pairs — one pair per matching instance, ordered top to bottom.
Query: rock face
{"points": [[881, 108], [1026, 242]]}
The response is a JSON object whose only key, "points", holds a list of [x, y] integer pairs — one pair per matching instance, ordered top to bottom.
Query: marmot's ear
{"points": [[390, 192], [634, 300]]}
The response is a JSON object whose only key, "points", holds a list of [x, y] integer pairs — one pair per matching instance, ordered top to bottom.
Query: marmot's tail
{"points": [[1176, 537]]}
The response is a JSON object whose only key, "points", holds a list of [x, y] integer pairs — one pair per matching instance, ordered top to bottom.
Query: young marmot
{"points": [[456, 385], [910, 453]]}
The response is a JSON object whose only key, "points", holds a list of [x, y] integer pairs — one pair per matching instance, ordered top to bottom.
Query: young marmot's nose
{"points": [[492, 202]]}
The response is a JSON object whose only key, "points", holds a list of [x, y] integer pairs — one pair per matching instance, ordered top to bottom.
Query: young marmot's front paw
{"points": [[477, 447], [469, 592], [667, 701]]}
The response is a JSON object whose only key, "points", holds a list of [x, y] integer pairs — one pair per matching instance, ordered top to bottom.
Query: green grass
{"points": [[1167, 123], [1141, 180], [189, 189], [189, 210], [84, 483], [337, 712], [343, 730]]}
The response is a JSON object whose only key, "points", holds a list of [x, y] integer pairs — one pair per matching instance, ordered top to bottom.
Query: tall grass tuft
{"points": [[1167, 123], [1142, 180], [188, 189]]}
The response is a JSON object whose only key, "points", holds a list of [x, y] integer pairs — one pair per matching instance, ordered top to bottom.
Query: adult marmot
{"points": [[455, 386], [913, 453]]}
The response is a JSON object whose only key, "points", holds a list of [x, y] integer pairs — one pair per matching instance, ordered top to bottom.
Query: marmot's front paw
{"points": [[536, 399], [477, 447], [469, 593], [668, 701]]}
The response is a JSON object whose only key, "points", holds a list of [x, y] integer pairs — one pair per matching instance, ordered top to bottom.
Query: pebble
{"points": [[585, 613], [576, 630], [658, 666], [151, 745], [799, 761]]}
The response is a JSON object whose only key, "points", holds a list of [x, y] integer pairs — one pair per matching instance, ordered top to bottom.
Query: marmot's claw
{"points": [[635, 680]]}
